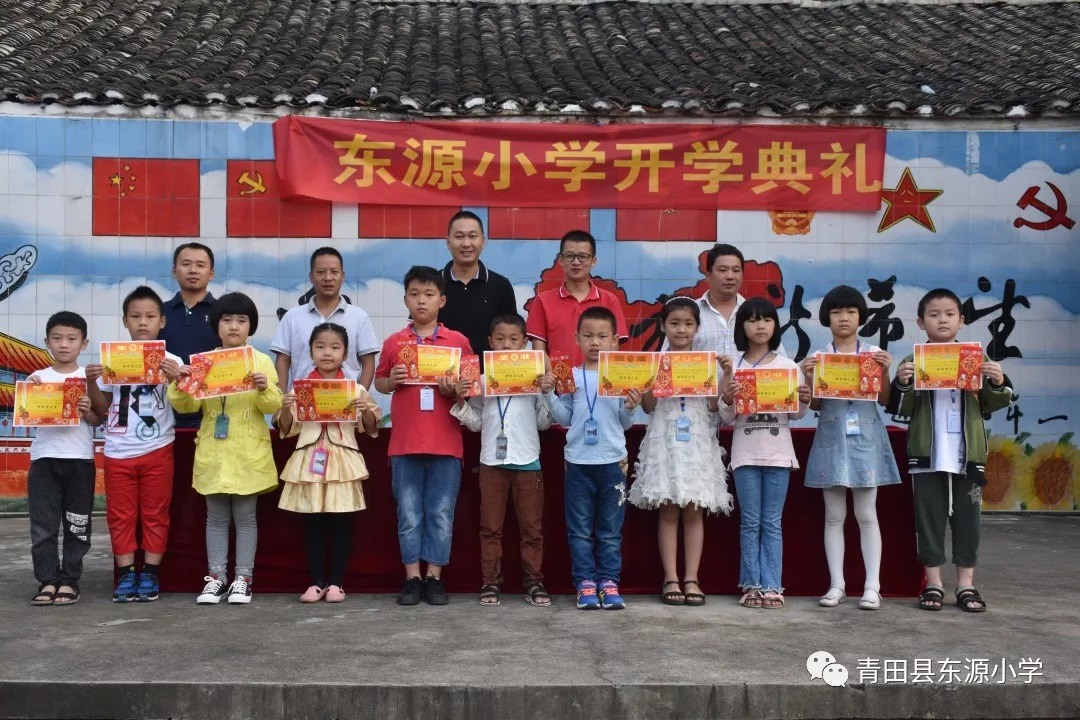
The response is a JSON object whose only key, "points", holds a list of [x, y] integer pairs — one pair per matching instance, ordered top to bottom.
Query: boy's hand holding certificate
{"points": [[133, 362], [425, 364], [948, 366], [563, 371], [220, 372], [513, 372], [621, 372], [470, 374], [686, 374], [847, 377], [767, 391], [328, 401], [48, 404]]}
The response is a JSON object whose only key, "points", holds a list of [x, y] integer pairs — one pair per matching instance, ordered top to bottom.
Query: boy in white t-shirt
{"points": [[139, 433], [61, 480]]}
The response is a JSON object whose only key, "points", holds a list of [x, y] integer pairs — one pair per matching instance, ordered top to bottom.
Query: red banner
{"points": [[757, 167]]}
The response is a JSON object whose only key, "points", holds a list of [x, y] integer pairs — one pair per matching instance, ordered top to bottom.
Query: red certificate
{"points": [[133, 363], [948, 366], [847, 377], [767, 390]]}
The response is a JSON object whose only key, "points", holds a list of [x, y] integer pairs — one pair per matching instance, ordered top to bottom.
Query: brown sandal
{"points": [[43, 596], [673, 597], [694, 599]]}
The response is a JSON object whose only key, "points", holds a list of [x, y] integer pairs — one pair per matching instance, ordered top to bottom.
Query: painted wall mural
{"points": [[92, 207]]}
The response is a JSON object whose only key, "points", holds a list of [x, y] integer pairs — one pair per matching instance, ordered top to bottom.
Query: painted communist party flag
{"points": [[138, 196], [254, 207]]}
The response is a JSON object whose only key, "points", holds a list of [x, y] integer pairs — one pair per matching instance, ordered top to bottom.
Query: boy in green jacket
{"points": [[947, 455]]}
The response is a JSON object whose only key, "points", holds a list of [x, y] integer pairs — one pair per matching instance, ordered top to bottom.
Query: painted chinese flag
{"points": [[135, 196], [254, 207]]}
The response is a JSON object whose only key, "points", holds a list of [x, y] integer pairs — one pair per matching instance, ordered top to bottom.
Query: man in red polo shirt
{"points": [[553, 315]]}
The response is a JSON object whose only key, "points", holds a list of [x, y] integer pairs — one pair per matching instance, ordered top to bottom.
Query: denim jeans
{"points": [[426, 489], [761, 492], [595, 500]]}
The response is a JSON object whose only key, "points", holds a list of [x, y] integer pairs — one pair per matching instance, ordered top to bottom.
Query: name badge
{"points": [[427, 398], [146, 405], [952, 421], [851, 423], [221, 426], [682, 429], [592, 432], [500, 447], [318, 461]]}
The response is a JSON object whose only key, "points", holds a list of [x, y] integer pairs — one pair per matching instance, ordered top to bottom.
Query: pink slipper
{"points": [[313, 594], [335, 594]]}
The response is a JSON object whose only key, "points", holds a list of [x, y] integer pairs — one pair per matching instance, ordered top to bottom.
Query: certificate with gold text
{"points": [[133, 363], [428, 363], [948, 366], [230, 371], [513, 372], [621, 372], [685, 374], [847, 377], [767, 391], [325, 400], [48, 404]]}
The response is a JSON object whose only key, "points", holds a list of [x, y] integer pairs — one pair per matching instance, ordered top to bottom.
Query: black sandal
{"points": [[535, 592], [488, 593], [967, 595], [49, 597], [675, 597], [67, 598], [932, 598], [694, 599]]}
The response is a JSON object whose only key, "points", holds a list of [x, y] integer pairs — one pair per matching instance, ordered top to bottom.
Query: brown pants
{"points": [[527, 487]]}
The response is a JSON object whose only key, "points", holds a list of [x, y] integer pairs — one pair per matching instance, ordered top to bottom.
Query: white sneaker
{"points": [[213, 591], [240, 591], [834, 597]]}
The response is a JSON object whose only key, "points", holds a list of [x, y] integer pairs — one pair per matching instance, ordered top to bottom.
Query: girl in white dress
{"points": [[680, 466]]}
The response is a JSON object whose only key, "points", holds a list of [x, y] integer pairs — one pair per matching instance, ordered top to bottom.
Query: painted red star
{"points": [[907, 200]]}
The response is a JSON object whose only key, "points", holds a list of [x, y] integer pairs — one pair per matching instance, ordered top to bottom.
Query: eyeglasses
{"points": [[575, 257]]}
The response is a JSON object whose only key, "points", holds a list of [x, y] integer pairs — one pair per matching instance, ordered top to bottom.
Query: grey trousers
{"points": [[60, 493], [240, 509]]}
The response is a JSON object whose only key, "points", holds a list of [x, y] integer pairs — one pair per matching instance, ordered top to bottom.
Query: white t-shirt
{"points": [[149, 423], [762, 439], [72, 442], [948, 449]]}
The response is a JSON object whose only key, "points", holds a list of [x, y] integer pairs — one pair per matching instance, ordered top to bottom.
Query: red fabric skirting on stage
{"points": [[375, 565]]}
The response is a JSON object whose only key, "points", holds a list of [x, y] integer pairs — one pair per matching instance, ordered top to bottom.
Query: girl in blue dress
{"points": [[851, 450]]}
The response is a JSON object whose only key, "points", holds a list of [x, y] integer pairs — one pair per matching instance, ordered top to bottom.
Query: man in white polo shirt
{"points": [[724, 271], [294, 331]]}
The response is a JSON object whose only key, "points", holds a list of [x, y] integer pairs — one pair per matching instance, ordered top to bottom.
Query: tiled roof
{"points": [[733, 58], [20, 357]]}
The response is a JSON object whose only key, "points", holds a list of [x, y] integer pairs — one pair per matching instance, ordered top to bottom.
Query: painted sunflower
{"points": [[1005, 463], [1052, 473]]}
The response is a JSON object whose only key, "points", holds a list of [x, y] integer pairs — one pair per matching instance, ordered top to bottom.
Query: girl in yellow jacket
{"points": [[234, 463], [324, 476]]}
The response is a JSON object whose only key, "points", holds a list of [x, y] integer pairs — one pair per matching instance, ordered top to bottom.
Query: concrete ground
{"points": [[368, 658]]}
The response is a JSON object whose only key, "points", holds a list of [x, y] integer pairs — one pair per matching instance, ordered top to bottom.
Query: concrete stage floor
{"points": [[368, 658]]}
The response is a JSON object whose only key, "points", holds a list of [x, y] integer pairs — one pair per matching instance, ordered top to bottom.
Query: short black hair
{"points": [[464, 215], [578, 236], [193, 246], [325, 250], [719, 250], [425, 276], [144, 293], [939, 294], [842, 296], [680, 302], [234, 303], [756, 309], [598, 312], [66, 318], [508, 319], [329, 327]]}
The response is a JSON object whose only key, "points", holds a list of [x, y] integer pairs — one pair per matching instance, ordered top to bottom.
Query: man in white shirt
{"points": [[293, 334]]}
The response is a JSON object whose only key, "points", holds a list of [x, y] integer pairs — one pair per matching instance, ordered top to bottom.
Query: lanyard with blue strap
{"points": [[592, 428], [500, 441]]}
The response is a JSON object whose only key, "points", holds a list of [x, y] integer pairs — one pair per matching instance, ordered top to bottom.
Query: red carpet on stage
{"points": [[281, 566]]}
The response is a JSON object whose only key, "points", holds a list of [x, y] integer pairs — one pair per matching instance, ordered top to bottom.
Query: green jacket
{"points": [[919, 407]]}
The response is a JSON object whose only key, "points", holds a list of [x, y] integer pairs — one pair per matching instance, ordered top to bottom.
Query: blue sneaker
{"points": [[148, 587], [125, 590], [586, 596], [610, 599]]}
